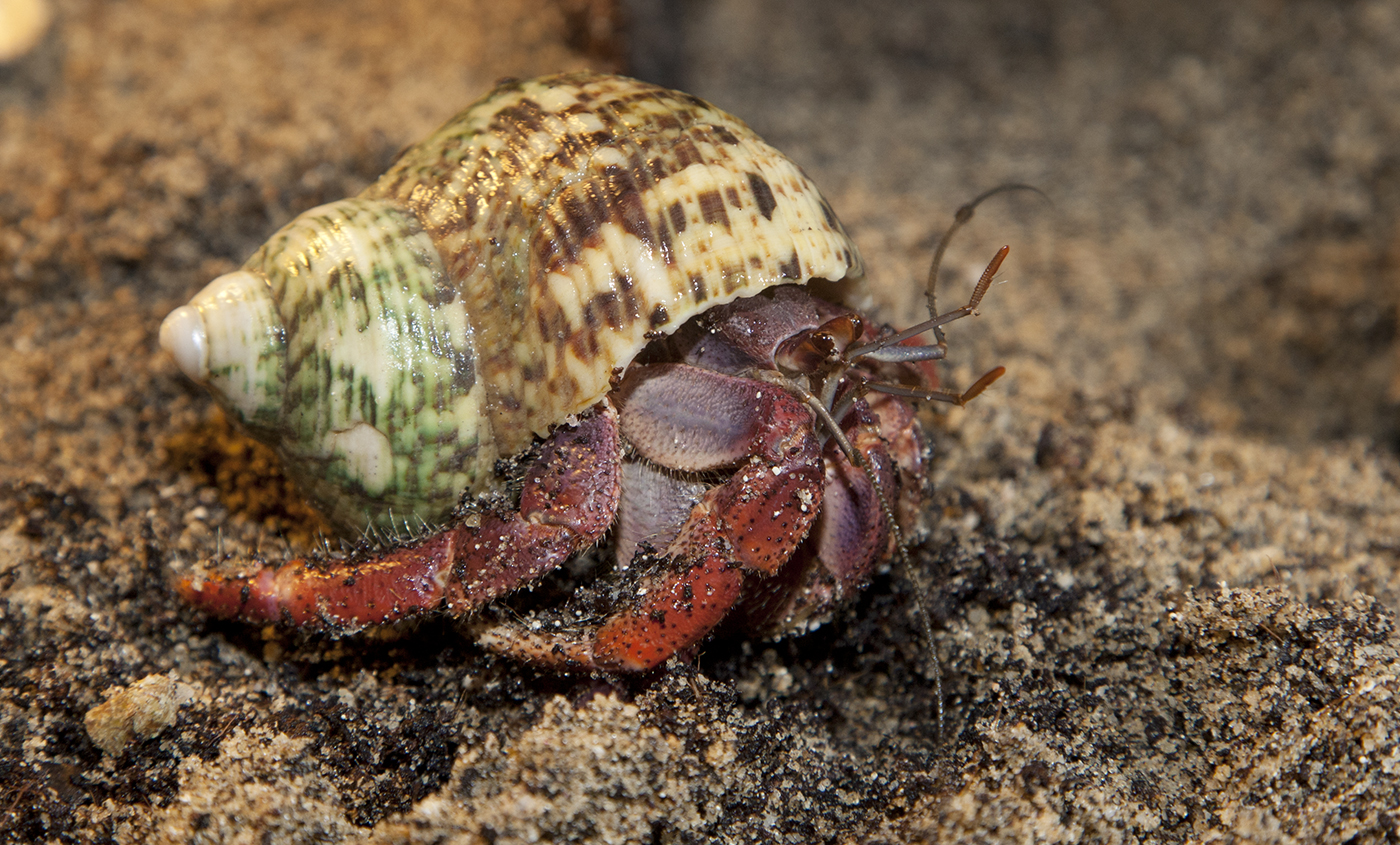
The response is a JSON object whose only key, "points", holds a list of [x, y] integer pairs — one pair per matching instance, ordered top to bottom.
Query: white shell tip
{"points": [[182, 334]]}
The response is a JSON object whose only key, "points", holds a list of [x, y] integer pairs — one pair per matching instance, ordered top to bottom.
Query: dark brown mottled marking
{"points": [[524, 118], [724, 135], [594, 140], [686, 154], [564, 155], [510, 160], [641, 176], [595, 193], [763, 195], [733, 197], [623, 198], [712, 208], [828, 213], [677, 214], [580, 225], [663, 243], [546, 248], [791, 269], [731, 278], [627, 287], [697, 287], [443, 292], [602, 308], [659, 317], [553, 324], [585, 347], [532, 371]]}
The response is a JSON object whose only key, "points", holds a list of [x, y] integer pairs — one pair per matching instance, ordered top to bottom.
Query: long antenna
{"points": [[960, 217], [891, 349], [858, 459]]}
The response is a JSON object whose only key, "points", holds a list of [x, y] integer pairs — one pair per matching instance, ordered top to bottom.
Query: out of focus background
{"points": [[1163, 567]]}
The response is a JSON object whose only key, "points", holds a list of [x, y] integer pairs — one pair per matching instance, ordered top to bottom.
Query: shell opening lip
{"points": [[183, 335]]}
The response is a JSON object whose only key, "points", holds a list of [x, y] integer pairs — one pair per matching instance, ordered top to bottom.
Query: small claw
{"points": [[850, 537], [678, 611]]}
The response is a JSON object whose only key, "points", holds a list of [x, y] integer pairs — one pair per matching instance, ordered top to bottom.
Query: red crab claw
{"points": [[690, 419], [566, 504], [851, 535]]}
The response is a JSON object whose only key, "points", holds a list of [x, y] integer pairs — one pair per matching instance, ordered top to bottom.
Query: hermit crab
{"points": [[572, 320]]}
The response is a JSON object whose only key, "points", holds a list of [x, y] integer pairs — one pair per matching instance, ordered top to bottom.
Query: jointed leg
{"points": [[566, 505]]}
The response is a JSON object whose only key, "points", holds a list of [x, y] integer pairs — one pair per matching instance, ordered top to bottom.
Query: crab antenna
{"points": [[960, 217], [888, 349], [950, 396]]}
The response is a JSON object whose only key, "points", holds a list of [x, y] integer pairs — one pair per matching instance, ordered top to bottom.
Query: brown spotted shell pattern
{"points": [[493, 282]]}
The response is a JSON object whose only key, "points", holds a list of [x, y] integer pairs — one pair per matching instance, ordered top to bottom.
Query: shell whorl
{"points": [[490, 283]]}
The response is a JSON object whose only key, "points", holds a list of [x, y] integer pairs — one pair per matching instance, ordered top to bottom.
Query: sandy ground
{"points": [[1164, 565]]}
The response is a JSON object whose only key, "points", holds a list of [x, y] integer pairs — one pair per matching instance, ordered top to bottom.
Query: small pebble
{"points": [[143, 710]]}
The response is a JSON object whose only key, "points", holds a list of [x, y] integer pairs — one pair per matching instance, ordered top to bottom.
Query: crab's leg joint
{"points": [[567, 502]]}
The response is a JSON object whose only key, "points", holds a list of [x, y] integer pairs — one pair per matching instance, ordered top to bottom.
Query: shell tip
{"points": [[182, 334]]}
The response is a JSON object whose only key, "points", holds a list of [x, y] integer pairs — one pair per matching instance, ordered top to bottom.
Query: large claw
{"points": [[691, 419]]}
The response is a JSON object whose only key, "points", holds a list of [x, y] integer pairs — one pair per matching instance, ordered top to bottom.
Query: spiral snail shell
{"points": [[393, 346]]}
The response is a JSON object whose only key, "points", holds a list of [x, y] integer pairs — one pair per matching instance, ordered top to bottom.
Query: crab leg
{"points": [[690, 419], [566, 504], [849, 538]]}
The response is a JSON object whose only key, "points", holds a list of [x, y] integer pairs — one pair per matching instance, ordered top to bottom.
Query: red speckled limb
{"points": [[687, 418], [567, 502], [851, 535]]}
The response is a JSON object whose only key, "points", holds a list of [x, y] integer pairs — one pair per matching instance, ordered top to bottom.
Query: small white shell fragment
{"points": [[22, 24]]}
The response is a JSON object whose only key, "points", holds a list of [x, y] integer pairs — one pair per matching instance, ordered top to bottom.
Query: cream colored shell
{"points": [[395, 345]]}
